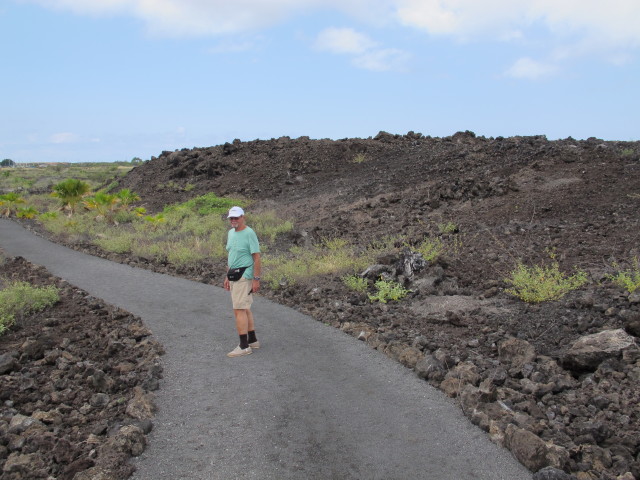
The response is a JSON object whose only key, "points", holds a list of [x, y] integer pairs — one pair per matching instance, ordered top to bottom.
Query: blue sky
{"points": [[110, 80]]}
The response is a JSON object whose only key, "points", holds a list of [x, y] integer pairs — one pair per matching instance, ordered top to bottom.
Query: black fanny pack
{"points": [[235, 274]]}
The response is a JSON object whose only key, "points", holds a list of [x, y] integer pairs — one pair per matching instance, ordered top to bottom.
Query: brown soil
{"points": [[520, 198]]}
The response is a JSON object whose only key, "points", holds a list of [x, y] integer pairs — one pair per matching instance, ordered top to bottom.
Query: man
{"points": [[244, 262]]}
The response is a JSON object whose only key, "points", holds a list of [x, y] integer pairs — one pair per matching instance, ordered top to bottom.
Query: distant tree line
{"points": [[7, 162]]}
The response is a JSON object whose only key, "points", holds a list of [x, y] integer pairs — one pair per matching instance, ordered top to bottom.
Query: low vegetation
{"points": [[28, 178], [9, 203], [194, 231], [430, 248], [332, 256], [627, 279], [355, 283], [541, 283], [387, 290], [18, 299]]}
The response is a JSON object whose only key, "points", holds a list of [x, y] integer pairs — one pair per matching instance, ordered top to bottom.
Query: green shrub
{"points": [[627, 152], [359, 158], [70, 193], [126, 198], [9, 203], [104, 205], [27, 212], [47, 216], [125, 216], [448, 227], [430, 249], [627, 279], [355, 282], [542, 283], [388, 290], [19, 299]]}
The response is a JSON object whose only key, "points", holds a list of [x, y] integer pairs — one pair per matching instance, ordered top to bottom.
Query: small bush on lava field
{"points": [[448, 227], [430, 249], [627, 279], [355, 282], [542, 283], [388, 290], [21, 298]]}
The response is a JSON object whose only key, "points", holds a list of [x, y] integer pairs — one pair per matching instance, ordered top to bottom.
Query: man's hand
{"points": [[226, 284], [255, 285]]}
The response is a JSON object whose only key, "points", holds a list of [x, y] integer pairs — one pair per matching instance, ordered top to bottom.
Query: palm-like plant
{"points": [[70, 192], [127, 197], [9, 203], [104, 204], [27, 212], [155, 221]]}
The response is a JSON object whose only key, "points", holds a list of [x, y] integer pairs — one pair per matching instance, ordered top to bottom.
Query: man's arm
{"points": [[257, 268]]}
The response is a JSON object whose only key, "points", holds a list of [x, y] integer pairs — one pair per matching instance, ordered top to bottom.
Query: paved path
{"points": [[312, 403]]}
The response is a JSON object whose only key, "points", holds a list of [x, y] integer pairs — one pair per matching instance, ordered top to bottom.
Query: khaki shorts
{"points": [[240, 294]]}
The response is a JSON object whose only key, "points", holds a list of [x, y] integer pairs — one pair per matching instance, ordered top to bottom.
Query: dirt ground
{"points": [[509, 364]]}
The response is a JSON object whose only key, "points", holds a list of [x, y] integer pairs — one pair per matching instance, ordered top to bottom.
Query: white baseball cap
{"points": [[235, 212]]}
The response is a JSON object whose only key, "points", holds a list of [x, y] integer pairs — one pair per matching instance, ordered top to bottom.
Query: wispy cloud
{"points": [[188, 17], [614, 22], [579, 28], [343, 40], [365, 51], [383, 60], [528, 68], [64, 137]]}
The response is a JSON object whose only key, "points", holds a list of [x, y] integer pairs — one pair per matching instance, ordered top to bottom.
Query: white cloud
{"points": [[190, 17], [218, 17], [616, 22], [343, 40], [367, 54], [383, 60], [530, 69], [64, 137]]}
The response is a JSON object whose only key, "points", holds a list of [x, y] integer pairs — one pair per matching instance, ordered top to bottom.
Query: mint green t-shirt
{"points": [[241, 245]]}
